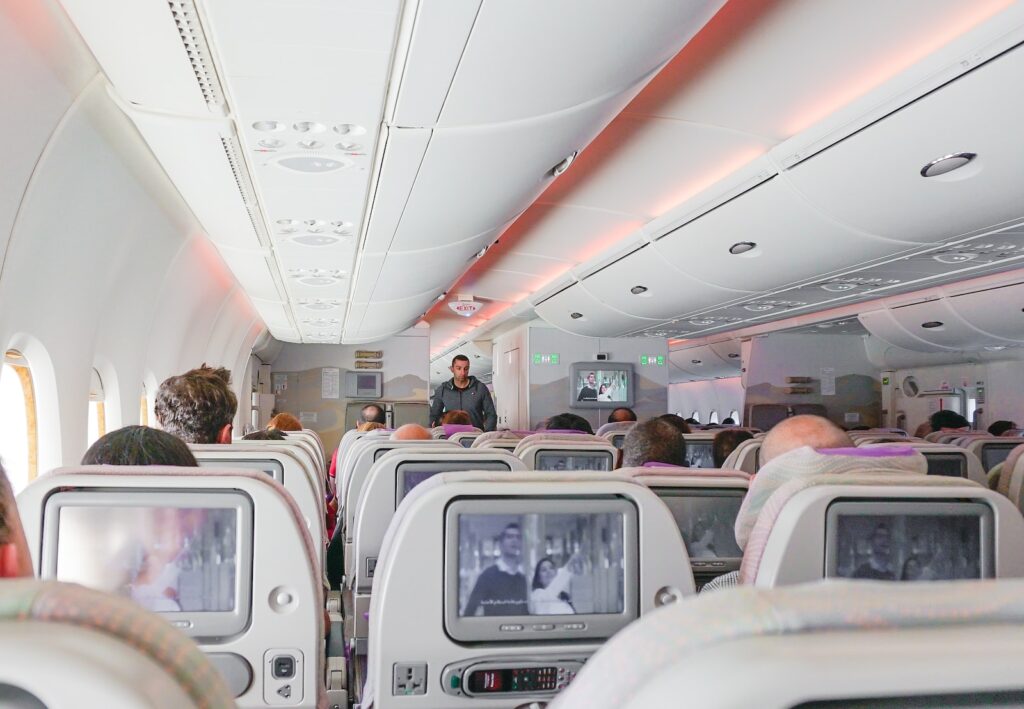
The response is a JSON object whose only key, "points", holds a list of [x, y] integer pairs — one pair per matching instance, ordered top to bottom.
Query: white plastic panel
{"points": [[522, 41], [981, 112], [566, 232], [252, 269], [408, 273], [998, 312], [598, 320], [884, 326], [954, 333], [704, 362]]}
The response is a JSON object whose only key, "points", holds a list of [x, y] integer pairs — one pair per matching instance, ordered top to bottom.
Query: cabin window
{"points": [[144, 407], [97, 414], [695, 415], [735, 416], [713, 418], [18, 433]]}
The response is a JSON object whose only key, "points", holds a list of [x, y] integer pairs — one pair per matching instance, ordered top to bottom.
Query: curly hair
{"points": [[196, 405], [285, 421], [139, 445]]}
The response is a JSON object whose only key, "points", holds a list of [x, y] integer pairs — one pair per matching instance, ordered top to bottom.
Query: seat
{"points": [[448, 430], [616, 432], [464, 438], [507, 440], [699, 447], [991, 450], [567, 451], [745, 457], [945, 459], [1011, 479], [704, 502], [810, 514], [245, 573], [835, 643], [66, 645], [426, 650]]}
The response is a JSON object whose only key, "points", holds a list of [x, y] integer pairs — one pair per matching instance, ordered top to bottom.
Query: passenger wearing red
{"points": [[15, 559]]}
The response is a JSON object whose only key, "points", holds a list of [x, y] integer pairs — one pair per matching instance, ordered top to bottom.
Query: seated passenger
{"points": [[197, 406], [373, 413], [622, 414], [456, 417], [284, 421], [689, 421], [728, 421], [948, 421], [568, 422], [681, 425], [1000, 427], [923, 430], [800, 431], [411, 432], [267, 434], [654, 441], [725, 443], [139, 445], [15, 558], [549, 592]]}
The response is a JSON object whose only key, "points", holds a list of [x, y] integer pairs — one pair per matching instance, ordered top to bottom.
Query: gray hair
{"points": [[654, 441]]}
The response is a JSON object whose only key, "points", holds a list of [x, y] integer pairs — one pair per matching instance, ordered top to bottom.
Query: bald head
{"points": [[800, 431], [411, 432]]}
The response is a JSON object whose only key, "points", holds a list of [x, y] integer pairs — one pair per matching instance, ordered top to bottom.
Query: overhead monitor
{"points": [[364, 385], [606, 385], [699, 453], [992, 454], [573, 460], [952, 465], [271, 467], [409, 475], [706, 518], [910, 540], [184, 555], [521, 569]]}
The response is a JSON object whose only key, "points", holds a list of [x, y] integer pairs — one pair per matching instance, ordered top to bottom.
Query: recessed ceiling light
{"points": [[268, 126], [309, 127], [349, 129], [271, 143], [311, 144], [348, 146], [947, 163], [312, 164], [564, 165], [315, 239], [742, 247], [839, 287], [638, 290], [758, 307], [575, 316], [702, 322], [932, 324], [825, 325], [995, 348], [695, 361]]}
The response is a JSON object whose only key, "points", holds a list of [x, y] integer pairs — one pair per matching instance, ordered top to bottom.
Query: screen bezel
{"points": [[576, 367], [354, 391], [694, 443], [1008, 447], [567, 452], [944, 456], [257, 464], [410, 466], [919, 508], [719, 565], [206, 625], [597, 626]]}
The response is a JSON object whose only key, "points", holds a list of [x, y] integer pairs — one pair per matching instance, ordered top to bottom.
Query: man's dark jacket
{"points": [[475, 400]]}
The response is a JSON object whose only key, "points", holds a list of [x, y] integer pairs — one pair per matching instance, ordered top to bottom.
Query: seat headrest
{"points": [[615, 426], [497, 436], [807, 462], [1008, 466], [675, 471]]}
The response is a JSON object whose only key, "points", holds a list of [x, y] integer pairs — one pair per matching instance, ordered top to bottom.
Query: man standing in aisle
{"points": [[466, 393]]}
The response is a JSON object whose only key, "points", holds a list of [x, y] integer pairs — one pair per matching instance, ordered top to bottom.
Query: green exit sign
{"points": [[536, 358], [539, 358], [554, 359], [643, 360], [661, 360]]}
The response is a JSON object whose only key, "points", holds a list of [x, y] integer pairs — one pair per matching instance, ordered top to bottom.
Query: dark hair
{"points": [[460, 358], [197, 405], [630, 414], [378, 415], [458, 417], [947, 419], [676, 420], [285, 421], [688, 421], [728, 421], [569, 422], [998, 428], [267, 434], [654, 441], [725, 443], [139, 445], [7, 507], [510, 525], [535, 584]]}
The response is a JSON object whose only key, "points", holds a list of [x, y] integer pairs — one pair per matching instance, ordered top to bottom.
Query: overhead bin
{"points": [[858, 180], [575, 310], [996, 312], [705, 362]]}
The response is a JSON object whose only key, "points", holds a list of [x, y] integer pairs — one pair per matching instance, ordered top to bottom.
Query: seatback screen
{"points": [[699, 454], [992, 454], [573, 460], [953, 465], [409, 475], [706, 519]]}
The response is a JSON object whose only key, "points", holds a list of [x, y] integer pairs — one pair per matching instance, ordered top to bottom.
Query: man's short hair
{"points": [[460, 358], [197, 405], [376, 414], [627, 414], [457, 417], [947, 419], [569, 422], [998, 428], [266, 434], [654, 441], [725, 443], [139, 445]]}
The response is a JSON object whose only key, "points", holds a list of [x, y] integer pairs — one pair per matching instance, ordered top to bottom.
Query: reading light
{"points": [[268, 126], [309, 127], [349, 129], [272, 143], [310, 144], [348, 146], [947, 163], [564, 165], [315, 240], [742, 247], [638, 290], [441, 297], [758, 307], [575, 316], [931, 324], [995, 348], [734, 355]]}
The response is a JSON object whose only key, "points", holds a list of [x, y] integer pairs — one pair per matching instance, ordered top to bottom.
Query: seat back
{"points": [[616, 431], [464, 438], [506, 440], [699, 449], [991, 450], [567, 451], [745, 457], [945, 460], [1011, 479], [445, 541], [250, 594], [66, 645], [818, 645]]}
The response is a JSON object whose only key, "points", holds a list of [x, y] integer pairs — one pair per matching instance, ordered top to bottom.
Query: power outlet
{"points": [[409, 679]]}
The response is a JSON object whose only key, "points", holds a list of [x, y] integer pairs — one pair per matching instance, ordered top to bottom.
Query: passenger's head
{"points": [[460, 369], [197, 406], [373, 413], [621, 415], [456, 417], [947, 420], [284, 421], [690, 421], [728, 421], [568, 422], [678, 422], [369, 426], [1000, 427], [923, 430], [800, 431], [411, 432], [267, 434], [654, 441], [725, 443], [139, 445], [510, 543], [15, 559], [544, 573]]}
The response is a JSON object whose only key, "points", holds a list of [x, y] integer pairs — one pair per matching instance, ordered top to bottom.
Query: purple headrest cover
{"points": [[452, 428], [879, 452]]}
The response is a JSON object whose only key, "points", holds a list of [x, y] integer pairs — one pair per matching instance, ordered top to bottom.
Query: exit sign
{"points": [[539, 358], [652, 360]]}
